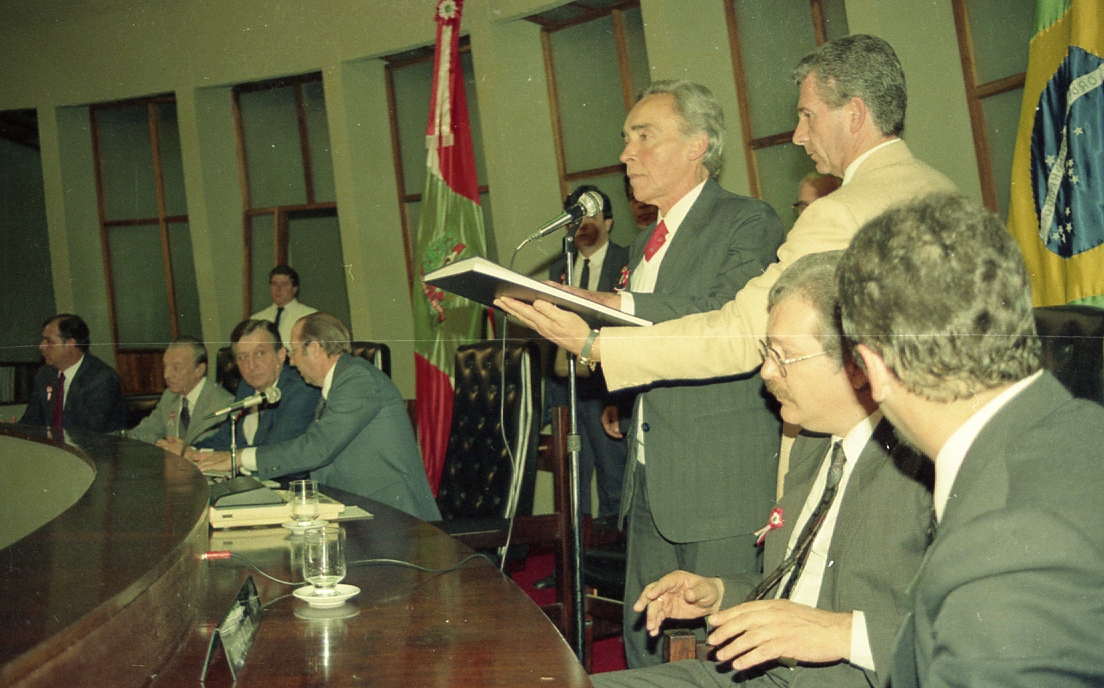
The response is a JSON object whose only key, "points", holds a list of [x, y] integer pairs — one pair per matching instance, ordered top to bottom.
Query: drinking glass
{"points": [[304, 501], [324, 558]]}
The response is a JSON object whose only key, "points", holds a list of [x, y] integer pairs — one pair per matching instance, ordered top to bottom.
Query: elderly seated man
{"points": [[184, 410], [845, 541]]}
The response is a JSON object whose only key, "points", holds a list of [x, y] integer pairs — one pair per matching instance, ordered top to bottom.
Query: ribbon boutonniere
{"points": [[623, 282], [49, 392], [776, 521]]}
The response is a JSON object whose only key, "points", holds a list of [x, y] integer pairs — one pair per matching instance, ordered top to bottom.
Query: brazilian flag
{"points": [[1057, 209]]}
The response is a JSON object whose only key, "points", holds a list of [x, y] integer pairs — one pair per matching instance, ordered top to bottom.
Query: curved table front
{"points": [[142, 609]]}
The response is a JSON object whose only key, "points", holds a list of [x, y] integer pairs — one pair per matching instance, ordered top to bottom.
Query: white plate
{"points": [[294, 526], [343, 592]]}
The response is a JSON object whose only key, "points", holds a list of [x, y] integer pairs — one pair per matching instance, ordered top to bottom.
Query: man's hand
{"points": [[606, 298], [554, 324], [611, 422], [172, 444], [212, 461], [679, 595], [756, 632]]}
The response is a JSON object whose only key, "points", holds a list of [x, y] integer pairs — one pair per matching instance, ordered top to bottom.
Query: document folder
{"points": [[482, 281]]}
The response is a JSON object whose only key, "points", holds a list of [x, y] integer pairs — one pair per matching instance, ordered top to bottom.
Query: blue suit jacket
{"points": [[95, 400], [284, 420], [362, 443]]}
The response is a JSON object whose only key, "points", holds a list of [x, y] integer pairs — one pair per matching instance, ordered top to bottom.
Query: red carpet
{"points": [[609, 654]]}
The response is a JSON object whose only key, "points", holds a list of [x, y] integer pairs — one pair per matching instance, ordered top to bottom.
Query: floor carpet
{"points": [[609, 654]]}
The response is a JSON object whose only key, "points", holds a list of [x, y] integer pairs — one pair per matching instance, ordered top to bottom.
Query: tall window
{"points": [[768, 39], [993, 41], [595, 63], [409, 81], [287, 188], [147, 245]]}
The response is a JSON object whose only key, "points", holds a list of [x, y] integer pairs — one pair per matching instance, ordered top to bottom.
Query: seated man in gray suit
{"points": [[937, 299], [262, 359], [184, 410], [361, 440], [847, 538]]}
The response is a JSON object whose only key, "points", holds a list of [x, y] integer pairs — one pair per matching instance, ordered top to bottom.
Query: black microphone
{"points": [[588, 205], [271, 395]]}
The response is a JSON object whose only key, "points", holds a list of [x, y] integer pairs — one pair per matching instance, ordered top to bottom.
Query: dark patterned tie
{"points": [[279, 314], [59, 401], [320, 408], [185, 418], [800, 554]]}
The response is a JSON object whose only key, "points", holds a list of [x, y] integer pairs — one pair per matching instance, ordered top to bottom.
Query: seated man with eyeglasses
{"points": [[262, 359], [845, 541]]}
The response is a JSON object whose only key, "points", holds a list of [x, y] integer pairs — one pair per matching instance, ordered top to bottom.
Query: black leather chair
{"points": [[1073, 347], [376, 353], [226, 370], [480, 479]]}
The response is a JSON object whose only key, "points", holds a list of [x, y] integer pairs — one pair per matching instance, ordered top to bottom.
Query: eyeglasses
{"points": [[799, 207], [298, 347], [766, 352]]}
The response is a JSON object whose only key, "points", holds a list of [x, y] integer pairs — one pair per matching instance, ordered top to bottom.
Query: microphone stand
{"points": [[234, 415], [573, 446]]}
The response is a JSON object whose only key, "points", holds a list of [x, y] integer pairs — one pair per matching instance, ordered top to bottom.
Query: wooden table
{"points": [[139, 603]]}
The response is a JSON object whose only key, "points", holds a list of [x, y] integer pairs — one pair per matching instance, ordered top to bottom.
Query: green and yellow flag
{"points": [[1057, 207]]}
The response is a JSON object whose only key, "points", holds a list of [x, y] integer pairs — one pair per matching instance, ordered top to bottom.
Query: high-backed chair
{"points": [[1073, 347], [376, 353], [226, 370], [490, 464]]}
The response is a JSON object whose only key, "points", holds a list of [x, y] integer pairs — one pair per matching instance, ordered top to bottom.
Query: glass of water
{"points": [[304, 501], [324, 558]]}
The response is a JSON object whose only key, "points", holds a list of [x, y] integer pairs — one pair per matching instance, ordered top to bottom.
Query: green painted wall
{"points": [[61, 61]]}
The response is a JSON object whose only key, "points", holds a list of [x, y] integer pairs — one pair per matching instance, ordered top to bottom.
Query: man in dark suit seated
{"points": [[600, 265], [937, 299], [261, 358], [74, 390], [185, 409], [361, 440], [846, 540]]}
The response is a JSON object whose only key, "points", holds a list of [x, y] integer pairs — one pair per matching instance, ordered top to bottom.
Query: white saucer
{"points": [[294, 526], [342, 593]]}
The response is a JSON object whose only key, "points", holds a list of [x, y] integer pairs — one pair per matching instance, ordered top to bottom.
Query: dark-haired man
{"points": [[600, 265], [283, 286], [937, 299], [74, 390], [190, 398], [361, 440], [851, 527]]}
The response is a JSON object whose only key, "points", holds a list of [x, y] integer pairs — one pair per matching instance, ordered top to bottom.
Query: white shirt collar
{"points": [[850, 171], [678, 211], [597, 259], [71, 371], [328, 381], [193, 396], [859, 435], [950, 457]]}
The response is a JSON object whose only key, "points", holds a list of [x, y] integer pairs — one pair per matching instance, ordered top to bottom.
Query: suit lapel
{"points": [[679, 259], [805, 459]]}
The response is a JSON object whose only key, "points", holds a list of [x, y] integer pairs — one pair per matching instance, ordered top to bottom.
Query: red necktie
{"points": [[656, 241], [59, 400]]}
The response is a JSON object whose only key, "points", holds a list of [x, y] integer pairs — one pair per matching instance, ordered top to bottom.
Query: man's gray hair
{"points": [[859, 66], [702, 113], [813, 278], [938, 288], [326, 329], [194, 346]]}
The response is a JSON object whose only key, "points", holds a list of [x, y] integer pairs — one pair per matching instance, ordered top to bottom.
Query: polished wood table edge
{"points": [[72, 587]]}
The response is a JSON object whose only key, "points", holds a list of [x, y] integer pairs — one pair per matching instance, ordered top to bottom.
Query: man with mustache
{"points": [[851, 527]]}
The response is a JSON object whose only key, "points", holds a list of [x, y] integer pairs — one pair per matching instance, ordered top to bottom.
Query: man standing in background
{"points": [[283, 285]]}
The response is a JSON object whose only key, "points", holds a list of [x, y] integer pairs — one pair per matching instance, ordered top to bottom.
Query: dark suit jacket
{"points": [[592, 386], [95, 400], [287, 419], [362, 443], [711, 451], [879, 541], [1012, 590]]}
